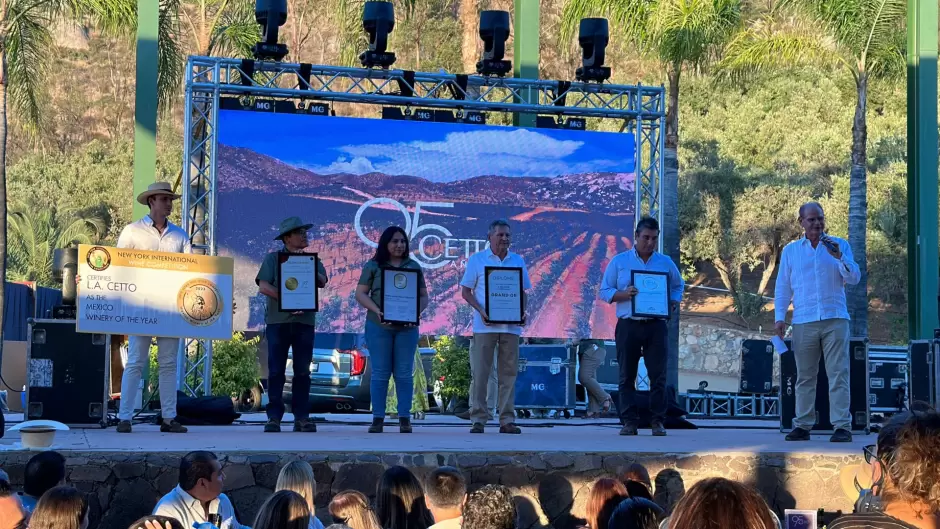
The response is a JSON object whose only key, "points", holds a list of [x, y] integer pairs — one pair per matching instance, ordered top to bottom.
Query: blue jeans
{"points": [[298, 338], [392, 350]]}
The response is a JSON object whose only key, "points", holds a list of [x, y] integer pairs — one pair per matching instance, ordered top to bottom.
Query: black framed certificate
{"points": [[297, 282], [503, 288], [401, 294], [652, 297]]}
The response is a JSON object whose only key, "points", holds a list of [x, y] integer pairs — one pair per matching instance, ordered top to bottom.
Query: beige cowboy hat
{"points": [[156, 188], [290, 224], [849, 475]]}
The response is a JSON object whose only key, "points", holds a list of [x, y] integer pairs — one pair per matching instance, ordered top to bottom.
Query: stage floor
{"points": [[346, 433]]}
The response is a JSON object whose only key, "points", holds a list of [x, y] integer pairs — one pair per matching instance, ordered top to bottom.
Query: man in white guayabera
{"points": [[813, 273], [488, 336]]}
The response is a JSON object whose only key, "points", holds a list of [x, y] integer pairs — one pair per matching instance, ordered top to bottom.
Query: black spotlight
{"points": [[271, 14], [378, 19], [494, 30], [593, 36]]}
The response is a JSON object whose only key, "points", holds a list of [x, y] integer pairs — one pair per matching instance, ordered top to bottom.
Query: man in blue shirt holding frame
{"points": [[638, 336]]}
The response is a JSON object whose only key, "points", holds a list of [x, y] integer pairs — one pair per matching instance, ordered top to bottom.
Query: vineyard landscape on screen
{"points": [[569, 196]]}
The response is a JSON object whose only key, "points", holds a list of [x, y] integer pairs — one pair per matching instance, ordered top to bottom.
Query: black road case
{"points": [[888, 378], [546, 379]]}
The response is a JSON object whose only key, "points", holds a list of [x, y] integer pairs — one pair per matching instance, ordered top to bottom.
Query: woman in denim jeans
{"points": [[391, 346]]}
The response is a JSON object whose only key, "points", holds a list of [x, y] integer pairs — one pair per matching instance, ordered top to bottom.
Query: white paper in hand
{"points": [[780, 346]]}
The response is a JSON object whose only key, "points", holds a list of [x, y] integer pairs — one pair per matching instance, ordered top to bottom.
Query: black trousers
{"points": [[282, 338], [646, 338]]}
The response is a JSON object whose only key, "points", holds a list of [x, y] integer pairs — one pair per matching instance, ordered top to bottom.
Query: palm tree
{"points": [[684, 36], [862, 38], [26, 50], [37, 232]]}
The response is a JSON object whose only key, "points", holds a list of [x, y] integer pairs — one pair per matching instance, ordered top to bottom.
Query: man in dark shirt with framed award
{"points": [[289, 279], [646, 287]]}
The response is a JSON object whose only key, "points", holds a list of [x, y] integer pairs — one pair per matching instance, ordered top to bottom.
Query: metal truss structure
{"points": [[640, 110]]}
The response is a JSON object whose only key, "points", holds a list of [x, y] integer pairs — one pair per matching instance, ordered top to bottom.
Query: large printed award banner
{"points": [[137, 292]]}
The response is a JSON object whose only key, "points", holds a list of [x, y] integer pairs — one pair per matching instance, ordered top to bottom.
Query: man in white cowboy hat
{"points": [[155, 233], [288, 331]]}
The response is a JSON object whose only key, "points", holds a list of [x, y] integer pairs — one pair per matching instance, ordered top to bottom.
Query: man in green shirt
{"points": [[288, 332]]}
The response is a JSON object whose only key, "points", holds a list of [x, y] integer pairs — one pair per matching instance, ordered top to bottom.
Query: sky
{"points": [[439, 152]]}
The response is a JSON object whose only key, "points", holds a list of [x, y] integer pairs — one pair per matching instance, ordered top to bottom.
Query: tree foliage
{"points": [[36, 232]]}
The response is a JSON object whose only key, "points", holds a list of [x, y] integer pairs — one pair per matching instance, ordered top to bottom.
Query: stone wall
{"points": [[713, 350], [551, 488]]}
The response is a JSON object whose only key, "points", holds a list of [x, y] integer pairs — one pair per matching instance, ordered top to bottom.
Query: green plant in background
{"points": [[234, 367], [451, 368]]}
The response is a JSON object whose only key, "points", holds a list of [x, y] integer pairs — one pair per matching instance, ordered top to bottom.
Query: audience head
{"points": [[913, 464], [43, 471], [637, 472], [201, 475], [298, 477], [445, 491], [606, 494], [399, 501], [719, 503], [490, 507], [60, 508], [351, 508], [285, 509], [12, 513], [635, 513], [154, 521]]}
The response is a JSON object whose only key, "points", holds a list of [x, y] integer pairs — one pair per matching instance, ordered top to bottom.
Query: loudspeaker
{"points": [[757, 366], [67, 374], [858, 390]]}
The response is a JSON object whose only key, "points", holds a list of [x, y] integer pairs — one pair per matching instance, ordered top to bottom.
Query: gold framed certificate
{"points": [[297, 282], [503, 287]]}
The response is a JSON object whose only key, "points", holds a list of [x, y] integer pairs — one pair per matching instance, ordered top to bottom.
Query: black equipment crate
{"points": [[757, 366], [925, 371], [68, 374], [546, 378], [888, 378], [858, 390]]}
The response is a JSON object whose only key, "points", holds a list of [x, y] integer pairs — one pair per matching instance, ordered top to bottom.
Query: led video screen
{"points": [[569, 196]]}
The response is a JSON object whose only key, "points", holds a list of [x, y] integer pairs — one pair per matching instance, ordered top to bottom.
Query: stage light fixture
{"points": [[270, 14], [378, 19], [494, 30], [593, 36]]}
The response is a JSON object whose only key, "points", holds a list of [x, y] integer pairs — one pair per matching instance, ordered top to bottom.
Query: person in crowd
{"points": [[154, 233], [812, 275], [288, 332], [640, 336], [487, 337], [392, 347], [590, 359], [906, 465], [44, 471], [298, 477], [636, 479], [445, 491], [606, 495], [198, 497], [399, 501], [720, 503], [60, 507], [489, 507], [350, 508], [285, 509], [12, 513], [636, 513], [156, 522]]}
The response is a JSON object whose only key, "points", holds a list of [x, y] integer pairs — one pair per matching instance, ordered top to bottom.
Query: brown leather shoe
{"points": [[124, 427], [173, 427], [510, 428]]}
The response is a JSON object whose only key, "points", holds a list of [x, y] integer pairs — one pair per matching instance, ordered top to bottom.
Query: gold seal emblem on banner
{"points": [[98, 258], [199, 302]]}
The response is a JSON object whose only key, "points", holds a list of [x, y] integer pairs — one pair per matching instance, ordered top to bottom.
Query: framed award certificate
{"points": [[297, 282], [400, 295], [652, 297], [504, 302]]}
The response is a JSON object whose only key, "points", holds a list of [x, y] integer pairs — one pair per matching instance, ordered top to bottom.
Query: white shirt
{"points": [[143, 235], [618, 276], [474, 279], [814, 281], [179, 505]]}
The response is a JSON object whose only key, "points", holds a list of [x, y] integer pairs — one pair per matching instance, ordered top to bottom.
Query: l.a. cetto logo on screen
{"points": [[98, 258], [199, 301]]}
